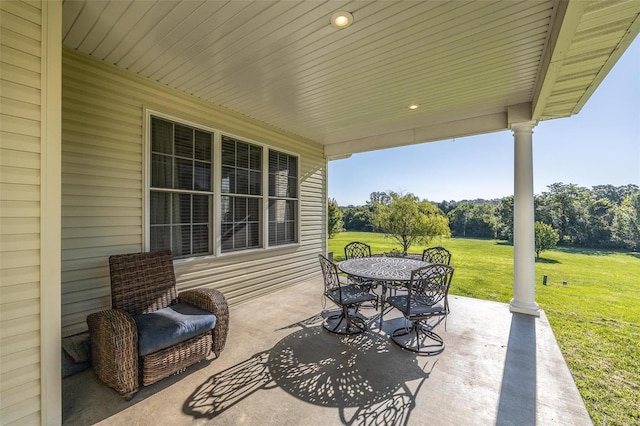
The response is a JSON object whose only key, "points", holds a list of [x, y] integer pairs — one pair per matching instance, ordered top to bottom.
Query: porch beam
{"points": [[430, 133], [523, 219]]}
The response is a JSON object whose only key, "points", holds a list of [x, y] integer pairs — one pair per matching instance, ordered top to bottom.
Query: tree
{"points": [[615, 194], [567, 207], [334, 215], [357, 218], [504, 218], [473, 219], [408, 220], [626, 222], [546, 237]]}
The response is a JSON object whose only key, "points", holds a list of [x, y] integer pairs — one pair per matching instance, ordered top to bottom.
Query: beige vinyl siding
{"points": [[20, 162], [103, 189]]}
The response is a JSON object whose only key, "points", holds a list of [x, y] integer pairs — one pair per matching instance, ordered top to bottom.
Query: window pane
{"points": [[161, 136], [183, 141], [203, 145], [228, 151], [242, 155], [255, 158], [273, 161], [161, 166], [293, 166], [184, 174], [282, 175], [202, 176], [228, 180], [281, 182], [255, 183], [242, 185], [272, 185], [292, 188], [159, 208], [181, 208], [200, 209], [227, 209], [240, 209], [253, 209], [277, 210], [292, 210], [282, 222], [272, 233], [280, 233], [290, 234], [240, 235], [253, 235], [160, 237], [227, 237], [200, 239], [181, 240]]}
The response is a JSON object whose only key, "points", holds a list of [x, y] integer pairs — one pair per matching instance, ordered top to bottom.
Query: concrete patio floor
{"points": [[280, 367]]}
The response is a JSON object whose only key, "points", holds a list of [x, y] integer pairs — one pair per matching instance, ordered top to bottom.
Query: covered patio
{"points": [[84, 82], [281, 367]]}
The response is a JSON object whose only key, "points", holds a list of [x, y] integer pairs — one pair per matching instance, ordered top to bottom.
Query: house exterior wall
{"points": [[103, 190], [29, 212]]}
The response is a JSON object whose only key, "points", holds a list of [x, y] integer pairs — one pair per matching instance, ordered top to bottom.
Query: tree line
{"points": [[605, 216]]}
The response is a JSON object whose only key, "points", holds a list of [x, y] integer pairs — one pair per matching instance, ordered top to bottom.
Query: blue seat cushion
{"points": [[351, 295], [420, 307], [173, 324]]}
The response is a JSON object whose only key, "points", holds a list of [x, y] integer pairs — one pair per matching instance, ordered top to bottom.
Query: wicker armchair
{"points": [[144, 331]]}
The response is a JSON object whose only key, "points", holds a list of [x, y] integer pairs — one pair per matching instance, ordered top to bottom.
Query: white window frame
{"points": [[216, 209]]}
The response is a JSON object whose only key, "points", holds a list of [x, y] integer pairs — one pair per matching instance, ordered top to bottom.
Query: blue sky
{"points": [[600, 145]]}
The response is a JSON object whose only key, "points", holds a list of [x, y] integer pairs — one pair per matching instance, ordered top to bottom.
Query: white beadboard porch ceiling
{"points": [[472, 66]]}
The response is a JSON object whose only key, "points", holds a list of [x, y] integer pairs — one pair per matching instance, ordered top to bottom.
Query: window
{"points": [[256, 194], [180, 196], [283, 198], [241, 201]]}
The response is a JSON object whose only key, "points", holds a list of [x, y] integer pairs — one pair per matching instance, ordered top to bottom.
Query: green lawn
{"points": [[595, 316]]}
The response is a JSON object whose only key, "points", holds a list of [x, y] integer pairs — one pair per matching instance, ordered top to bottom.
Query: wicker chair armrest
{"points": [[213, 301], [114, 349]]}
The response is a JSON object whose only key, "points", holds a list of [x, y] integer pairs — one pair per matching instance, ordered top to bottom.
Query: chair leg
{"points": [[353, 324], [425, 342]]}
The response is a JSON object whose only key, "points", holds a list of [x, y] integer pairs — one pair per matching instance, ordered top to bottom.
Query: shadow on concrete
{"points": [[363, 376], [87, 401], [517, 405]]}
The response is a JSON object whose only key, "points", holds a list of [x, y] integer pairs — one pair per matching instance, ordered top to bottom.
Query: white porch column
{"points": [[523, 219]]}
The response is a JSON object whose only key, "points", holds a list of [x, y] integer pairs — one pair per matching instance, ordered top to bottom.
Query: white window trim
{"points": [[298, 199], [216, 210]]}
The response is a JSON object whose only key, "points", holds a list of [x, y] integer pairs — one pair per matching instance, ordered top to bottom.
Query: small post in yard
{"points": [[544, 280]]}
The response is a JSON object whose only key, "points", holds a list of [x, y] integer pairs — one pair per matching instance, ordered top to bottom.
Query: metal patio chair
{"points": [[345, 295], [425, 299]]}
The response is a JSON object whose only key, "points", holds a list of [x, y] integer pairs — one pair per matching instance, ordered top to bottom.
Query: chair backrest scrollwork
{"points": [[356, 249], [436, 255], [329, 274], [430, 285]]}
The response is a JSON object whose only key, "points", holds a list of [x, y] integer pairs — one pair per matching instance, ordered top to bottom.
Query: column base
{"points": [[524, 308]]}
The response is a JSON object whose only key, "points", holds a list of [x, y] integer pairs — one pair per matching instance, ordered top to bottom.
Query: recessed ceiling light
{"points": [[341, 19], [414, 106]]}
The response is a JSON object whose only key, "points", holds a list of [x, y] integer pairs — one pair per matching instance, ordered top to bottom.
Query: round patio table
{"points": [[382, 270]]}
